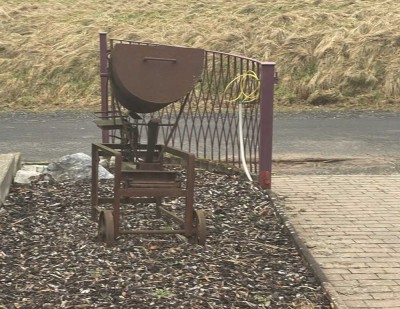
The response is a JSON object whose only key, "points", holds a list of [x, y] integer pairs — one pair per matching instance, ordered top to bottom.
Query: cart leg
{"points": [[95, 183], [117, 194], [158, 205], [189, 209], [199, 226]]}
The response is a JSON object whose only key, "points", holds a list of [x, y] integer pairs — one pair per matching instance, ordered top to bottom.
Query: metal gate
{"points": [[209, 124]]}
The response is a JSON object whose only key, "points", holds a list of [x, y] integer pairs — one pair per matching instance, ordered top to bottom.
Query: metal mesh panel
{"points": [[209, 124]]}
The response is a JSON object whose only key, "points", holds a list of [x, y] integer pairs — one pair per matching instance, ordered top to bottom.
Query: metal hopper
{"points": [[145, 79]]}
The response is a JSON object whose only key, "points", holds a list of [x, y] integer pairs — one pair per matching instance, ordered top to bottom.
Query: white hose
{"points": [[241, 143]]}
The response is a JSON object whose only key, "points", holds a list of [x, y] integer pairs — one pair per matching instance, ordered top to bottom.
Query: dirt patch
{"points": [[338, 166]]}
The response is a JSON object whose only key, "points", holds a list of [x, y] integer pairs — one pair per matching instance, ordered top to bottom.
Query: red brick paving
{"points": [[351, 225]]}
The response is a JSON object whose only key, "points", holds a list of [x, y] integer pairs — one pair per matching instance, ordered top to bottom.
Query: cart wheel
{"points": [[199, 224], [105, 231]]}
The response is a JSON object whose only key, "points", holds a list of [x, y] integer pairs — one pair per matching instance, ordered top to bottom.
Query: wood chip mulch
{"points": [[49, 257]]}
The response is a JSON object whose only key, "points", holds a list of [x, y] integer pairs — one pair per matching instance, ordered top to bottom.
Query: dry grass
{"points": [[343, 52]]}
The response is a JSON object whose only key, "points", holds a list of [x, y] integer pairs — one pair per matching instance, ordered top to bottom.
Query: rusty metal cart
{"points": [[145, 79]]}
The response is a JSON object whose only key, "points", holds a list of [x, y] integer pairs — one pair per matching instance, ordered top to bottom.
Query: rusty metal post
{"points": [[104, 79], [266, 123], [190, 179], [95, 183], [117, 194]]}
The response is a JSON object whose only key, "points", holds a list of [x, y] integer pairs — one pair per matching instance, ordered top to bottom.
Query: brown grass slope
{"points": [[345, 51]]}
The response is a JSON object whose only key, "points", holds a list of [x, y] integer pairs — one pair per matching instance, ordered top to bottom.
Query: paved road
{"points": [[338, 135], [45, 137]]}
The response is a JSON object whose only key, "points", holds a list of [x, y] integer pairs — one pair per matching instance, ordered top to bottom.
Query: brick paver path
{"points": [[351, 224]]}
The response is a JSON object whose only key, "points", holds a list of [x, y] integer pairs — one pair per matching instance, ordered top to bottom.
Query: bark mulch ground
{"points": [[49, 257]]}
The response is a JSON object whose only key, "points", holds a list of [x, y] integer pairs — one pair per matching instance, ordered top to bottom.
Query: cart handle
{"points": [[159, 59]]}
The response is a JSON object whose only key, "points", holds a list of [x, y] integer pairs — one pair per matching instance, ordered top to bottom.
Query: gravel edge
{"points": [[305, 253]]}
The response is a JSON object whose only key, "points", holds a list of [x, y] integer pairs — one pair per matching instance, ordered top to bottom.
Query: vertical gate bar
{"points": [[104, 79], [225, 107], [232, 117], [266, 123]]}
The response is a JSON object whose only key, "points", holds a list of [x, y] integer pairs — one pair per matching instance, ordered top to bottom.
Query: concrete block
{"points": [[9, 165]]}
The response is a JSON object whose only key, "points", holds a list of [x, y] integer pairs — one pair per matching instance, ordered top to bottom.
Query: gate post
{"points": [[104, 79], [266, 123]]}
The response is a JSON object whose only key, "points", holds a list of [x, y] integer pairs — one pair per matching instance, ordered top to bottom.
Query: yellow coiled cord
{"points": [[241, 82]]}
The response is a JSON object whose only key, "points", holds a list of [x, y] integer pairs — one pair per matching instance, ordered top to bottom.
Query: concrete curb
{"points": [[9, 165], [333, 296]]}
